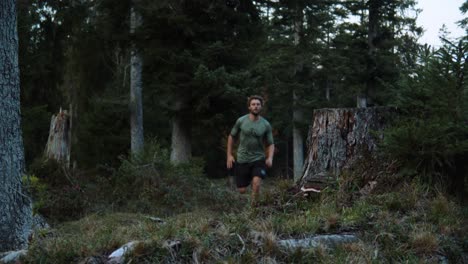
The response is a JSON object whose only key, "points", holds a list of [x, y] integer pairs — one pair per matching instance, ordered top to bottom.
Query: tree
{"points": [[44, 27], [387, 31], [289, 66], [196, 67], [96, 80], [136, 86], [431, 136], [298, 139], [15, 223]]}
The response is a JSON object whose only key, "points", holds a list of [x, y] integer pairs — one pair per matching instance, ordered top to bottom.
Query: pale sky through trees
{"points": [[434, 14]]}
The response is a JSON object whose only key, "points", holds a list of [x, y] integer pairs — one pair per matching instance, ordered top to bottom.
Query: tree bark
{"points": [[372, 34], [136, 87], [339, 137], [298, 141], [59, 142], [181, 149], [15, 206]]}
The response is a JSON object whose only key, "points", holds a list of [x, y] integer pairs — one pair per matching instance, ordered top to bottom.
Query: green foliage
{"points": [[103, 117], [35, 122], [431, 137], [427, 147], [150, 183], [38, 191], [56, 192], [416, 234]]}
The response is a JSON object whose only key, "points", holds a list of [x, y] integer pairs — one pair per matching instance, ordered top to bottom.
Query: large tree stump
{"points": [[339, 137], [59, 142]]}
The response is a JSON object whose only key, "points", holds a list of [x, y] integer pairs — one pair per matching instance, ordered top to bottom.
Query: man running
{"points": [[254, 133]]}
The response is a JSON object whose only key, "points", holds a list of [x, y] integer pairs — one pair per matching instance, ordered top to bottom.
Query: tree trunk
{"points": [[372, 34], [136, 87], [361, 101], [339, 137], [59, 142], [298, 142], [181, 147], [15, 205]]}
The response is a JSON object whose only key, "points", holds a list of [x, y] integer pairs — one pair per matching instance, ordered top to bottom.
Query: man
{"points": [[254, 132]]}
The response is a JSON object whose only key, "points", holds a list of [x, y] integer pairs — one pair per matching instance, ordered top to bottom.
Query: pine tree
{"points": [[196, 62], [289, 64], [136, 101], [15, 223]]}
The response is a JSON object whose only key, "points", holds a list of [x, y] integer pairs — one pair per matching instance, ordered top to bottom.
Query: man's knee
{"points": [[256, 182], [242, 189]]}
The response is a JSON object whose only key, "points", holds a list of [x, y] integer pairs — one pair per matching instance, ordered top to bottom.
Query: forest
{"points": [[115, 118]]}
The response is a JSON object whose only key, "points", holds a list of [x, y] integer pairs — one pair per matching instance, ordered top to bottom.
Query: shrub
{"points": [[431, 138], [426, 147], [149, 182], [38, 191], [56, 191], [424, 242]]}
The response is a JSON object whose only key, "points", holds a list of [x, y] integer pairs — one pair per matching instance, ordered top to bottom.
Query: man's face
{"points": [[255, 107]]}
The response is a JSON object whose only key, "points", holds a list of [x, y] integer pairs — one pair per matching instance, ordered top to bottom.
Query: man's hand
{"points": [[230, 161], [269, 162]]}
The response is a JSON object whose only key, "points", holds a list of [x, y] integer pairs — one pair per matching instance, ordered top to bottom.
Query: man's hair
{"points": [[254, 97]]}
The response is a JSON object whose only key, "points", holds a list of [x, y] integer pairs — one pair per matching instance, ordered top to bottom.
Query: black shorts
{"points": [[244, 172]]}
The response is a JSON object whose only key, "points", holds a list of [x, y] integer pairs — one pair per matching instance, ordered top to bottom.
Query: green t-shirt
{"points": [[253, 136]]}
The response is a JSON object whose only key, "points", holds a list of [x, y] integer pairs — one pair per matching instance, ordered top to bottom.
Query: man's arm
{"points": [[270, 146], [270, 153], [230, 157]]}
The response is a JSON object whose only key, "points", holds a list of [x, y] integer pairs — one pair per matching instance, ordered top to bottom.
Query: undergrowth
{"points": [[204, 221]]}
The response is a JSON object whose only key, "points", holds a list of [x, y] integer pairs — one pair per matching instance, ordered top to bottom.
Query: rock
{"points": [[367, 189], [156, 219], [39, 223], [327, 241], [174, 245], [12, 256], [117, 257]]}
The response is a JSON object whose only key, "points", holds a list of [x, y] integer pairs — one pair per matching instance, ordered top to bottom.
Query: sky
{"points": [[434, 14]]}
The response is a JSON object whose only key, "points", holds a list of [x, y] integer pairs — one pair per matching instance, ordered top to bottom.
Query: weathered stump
{"points": [[340, 136], [59, 142]]}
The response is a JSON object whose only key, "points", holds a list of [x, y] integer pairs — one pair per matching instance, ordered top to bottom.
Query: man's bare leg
{"points": [[256, 182]]}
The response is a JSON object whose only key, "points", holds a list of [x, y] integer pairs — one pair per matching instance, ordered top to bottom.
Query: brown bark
{"points": [[339, 137]]}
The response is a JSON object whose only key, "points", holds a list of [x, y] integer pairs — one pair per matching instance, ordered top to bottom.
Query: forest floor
{"points": [[409, 224]]}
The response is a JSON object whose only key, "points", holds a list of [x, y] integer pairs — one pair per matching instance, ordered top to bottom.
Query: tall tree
{"points": [[196, 62], [290, 65], [136, 86], [98, 87], [298, 139], [181, 145], [15, 223]]}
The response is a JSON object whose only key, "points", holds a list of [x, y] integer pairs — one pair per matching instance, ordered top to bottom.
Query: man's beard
{"points": [[255, 113]]}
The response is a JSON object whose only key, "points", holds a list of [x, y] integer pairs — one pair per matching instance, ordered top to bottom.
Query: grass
{"points": [[408, 224]]}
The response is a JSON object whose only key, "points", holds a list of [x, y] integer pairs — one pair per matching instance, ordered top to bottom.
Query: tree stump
{"points": [[340, 136], [59, 142]]}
